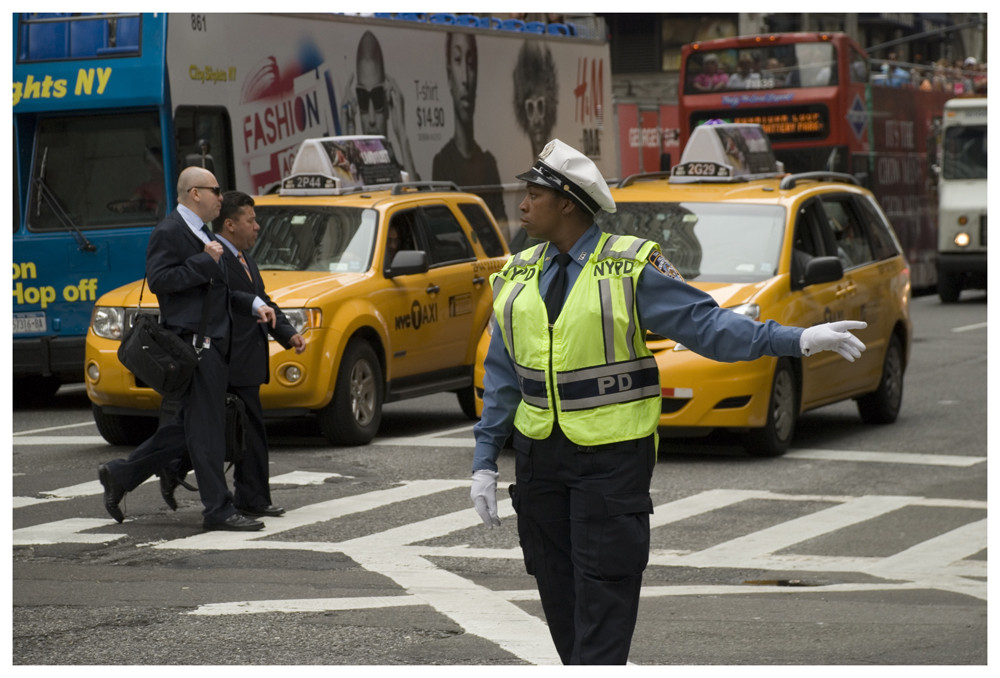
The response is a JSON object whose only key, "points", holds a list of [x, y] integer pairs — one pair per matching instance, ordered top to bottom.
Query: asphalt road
{"points": [[864, 545]]}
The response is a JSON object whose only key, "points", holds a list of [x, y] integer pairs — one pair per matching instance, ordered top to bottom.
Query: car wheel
{"points": [[949, 288], [34, 391], [467, 401], [881, 406], [782, 412], [354, 414], [122, 429]]}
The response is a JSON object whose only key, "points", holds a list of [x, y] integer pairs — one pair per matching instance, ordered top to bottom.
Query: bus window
{"points": [[804, 64], [858, 66], [203, 135], [118, 152]]}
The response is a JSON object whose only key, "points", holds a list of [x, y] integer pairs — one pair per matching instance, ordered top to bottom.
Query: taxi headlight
{"points": [[962, 239], [751, 311], [303, 319], [108, 322]]}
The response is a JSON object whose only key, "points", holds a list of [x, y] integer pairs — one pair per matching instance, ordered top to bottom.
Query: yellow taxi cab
{"points": [[801, 249], [381, 325]]}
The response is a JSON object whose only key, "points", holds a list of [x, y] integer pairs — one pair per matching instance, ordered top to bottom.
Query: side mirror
{"points": [[407, 262], [823, 270]]}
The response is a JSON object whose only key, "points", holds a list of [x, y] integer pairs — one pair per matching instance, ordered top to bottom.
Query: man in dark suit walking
{"points": [[237, 229], [184, 269]]}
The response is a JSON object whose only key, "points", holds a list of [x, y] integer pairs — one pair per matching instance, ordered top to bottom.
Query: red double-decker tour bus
{"points": [[826, 107]]}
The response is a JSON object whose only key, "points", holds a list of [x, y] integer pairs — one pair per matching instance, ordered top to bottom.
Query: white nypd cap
{"points": [[565, 169]]}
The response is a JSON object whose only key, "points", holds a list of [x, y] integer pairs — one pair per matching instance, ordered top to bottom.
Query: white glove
{"points": [[833, 337], [484, 496]]}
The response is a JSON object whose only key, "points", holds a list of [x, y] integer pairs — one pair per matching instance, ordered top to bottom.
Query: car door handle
{"points": [[478, 280], [433, 289], [846, 290]]}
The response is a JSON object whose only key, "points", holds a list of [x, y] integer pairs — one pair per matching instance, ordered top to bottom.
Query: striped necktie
{"points": [[239, 255]]}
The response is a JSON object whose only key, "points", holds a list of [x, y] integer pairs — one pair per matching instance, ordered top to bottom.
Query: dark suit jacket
{"points": [[184, 277], [248, 353]]}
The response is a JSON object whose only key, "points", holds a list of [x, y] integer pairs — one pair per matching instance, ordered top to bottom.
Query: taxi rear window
{"points": [[315, 238]]}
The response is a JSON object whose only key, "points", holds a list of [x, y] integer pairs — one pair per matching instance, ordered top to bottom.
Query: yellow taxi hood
{"points": [[286, 288], [294, 289], [730, 294], [128, 295]]}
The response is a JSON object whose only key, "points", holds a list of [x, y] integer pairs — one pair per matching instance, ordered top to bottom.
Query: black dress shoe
{"points": [[113, 492], [272, 511], [235, 523]]}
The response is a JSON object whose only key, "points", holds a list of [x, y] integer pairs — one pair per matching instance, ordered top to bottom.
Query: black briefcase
{"points": [[157, 356], [236, 429]]}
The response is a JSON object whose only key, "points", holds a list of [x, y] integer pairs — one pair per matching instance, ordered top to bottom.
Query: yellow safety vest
{"points": [[591, 370]]}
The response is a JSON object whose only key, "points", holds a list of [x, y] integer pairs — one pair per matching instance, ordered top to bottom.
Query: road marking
{"points": [[969, 328], [54, 428], [440, 439], [58, 440], [886, 457], [304, 478], [87, 489], [69, 531], [400, 554], [403, 554], [306, 605]]}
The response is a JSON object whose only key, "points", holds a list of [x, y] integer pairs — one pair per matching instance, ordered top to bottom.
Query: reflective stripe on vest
{"points": [[592, 387]]}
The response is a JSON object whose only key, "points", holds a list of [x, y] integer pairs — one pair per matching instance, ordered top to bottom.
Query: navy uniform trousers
{"points": [[583, 524]]}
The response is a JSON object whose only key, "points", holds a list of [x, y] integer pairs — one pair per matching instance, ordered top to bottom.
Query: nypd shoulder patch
{"points": [[660, 263]]}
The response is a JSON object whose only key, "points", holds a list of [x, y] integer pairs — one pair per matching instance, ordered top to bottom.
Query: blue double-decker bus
{"points": [[109, 107], [91, 151]]}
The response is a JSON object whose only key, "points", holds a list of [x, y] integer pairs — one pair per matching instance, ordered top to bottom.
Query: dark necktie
{"points": [[211, 238], [557, 288]]}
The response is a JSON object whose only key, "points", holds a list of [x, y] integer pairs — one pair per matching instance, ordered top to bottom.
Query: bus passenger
{"points": [[744, 77], [711, 79]]}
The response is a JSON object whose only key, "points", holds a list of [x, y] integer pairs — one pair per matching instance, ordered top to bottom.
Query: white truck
{"points": [[961, 256]]}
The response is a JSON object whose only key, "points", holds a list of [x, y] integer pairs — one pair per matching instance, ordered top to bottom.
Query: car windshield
{"points": [[965, 152], [315, 238], [707, 242]]}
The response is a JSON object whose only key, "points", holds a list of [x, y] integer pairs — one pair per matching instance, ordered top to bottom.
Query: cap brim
{"points": [[533, 177]]}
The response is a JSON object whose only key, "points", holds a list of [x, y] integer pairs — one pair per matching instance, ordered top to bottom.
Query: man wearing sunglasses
{"points": [[375, 99], [185, 272]]}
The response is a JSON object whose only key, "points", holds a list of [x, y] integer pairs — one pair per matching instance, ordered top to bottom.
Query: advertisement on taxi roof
{"points": [[284, 79]]}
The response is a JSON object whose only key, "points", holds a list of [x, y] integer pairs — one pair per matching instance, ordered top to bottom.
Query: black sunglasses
{"points": [[375, 95], [214, 189]]}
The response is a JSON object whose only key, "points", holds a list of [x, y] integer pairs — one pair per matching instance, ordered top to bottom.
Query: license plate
{"points": [[29, 323]]}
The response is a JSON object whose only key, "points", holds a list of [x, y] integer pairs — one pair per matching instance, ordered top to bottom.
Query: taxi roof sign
{"points": [[726, 152], [332, 165]]}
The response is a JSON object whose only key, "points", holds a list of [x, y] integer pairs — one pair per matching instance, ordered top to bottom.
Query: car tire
{"points": [[949, 287], [34, 391], [467, 401], [882, 405], [782, 413], [354, 414], [123, 429]]}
